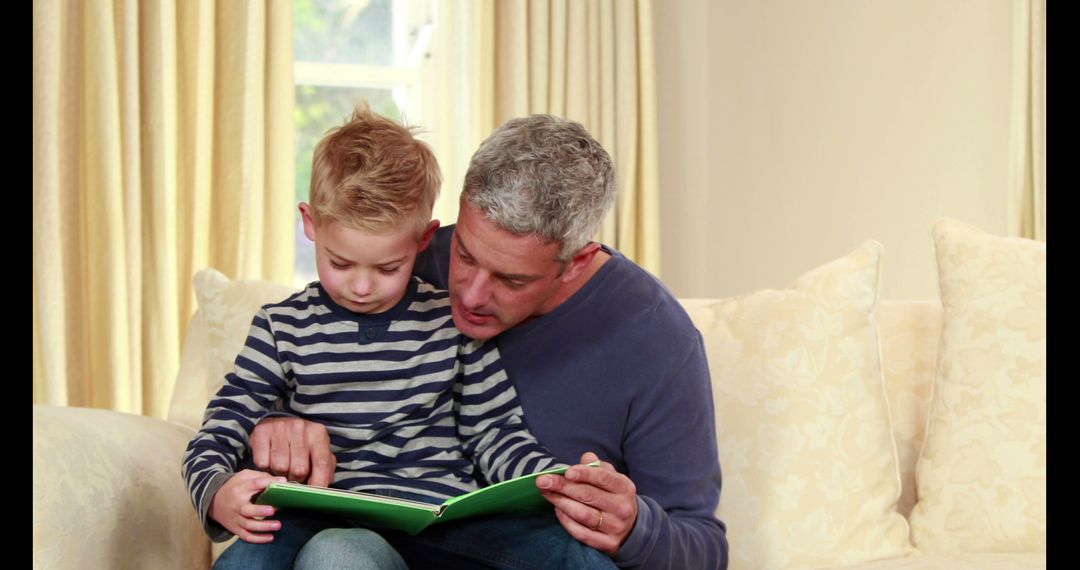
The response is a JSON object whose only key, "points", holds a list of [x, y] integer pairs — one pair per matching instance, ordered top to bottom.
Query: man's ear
{"points": [[309, 221], [429, 233], [580, 262]]}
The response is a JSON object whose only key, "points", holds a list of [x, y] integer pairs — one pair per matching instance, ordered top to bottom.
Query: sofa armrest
{"points": [[108, 492]]}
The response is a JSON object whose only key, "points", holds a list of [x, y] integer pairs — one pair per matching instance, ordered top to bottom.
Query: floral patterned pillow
{"points": [[216, 335], [806, 447], [981, 478]]}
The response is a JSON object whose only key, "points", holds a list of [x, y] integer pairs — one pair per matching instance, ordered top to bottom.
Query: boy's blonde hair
{"points": [[372, 174]]}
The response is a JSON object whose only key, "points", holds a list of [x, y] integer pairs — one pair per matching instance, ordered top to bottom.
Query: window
{"points": [[346, 51]]}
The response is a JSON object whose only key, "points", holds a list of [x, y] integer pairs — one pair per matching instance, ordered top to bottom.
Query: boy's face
{"points": [[362, 271]]}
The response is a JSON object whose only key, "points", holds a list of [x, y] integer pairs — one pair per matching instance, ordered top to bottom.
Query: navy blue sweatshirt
{"points": [[619, 369]]}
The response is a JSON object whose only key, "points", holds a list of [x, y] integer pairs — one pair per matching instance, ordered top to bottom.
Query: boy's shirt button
{"points": [[370, 333]]}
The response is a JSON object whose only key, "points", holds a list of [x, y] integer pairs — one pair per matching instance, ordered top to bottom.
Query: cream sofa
{"points": [[108, 492]]}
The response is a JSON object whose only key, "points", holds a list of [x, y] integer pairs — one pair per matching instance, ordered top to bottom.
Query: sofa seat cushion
{"points": [[960, 561]]}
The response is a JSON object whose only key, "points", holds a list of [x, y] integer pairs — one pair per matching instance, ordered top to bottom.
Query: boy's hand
{"points": [[293, 447], [232, 508]]}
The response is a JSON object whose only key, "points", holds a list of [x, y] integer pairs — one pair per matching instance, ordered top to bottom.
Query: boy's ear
{"points": [[309, 222], [429, 233]]}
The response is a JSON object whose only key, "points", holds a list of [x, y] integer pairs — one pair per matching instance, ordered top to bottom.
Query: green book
{"points": [[512, 496]]}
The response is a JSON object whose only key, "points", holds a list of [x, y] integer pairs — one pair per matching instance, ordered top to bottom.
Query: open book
{"points": [[512, 496]]}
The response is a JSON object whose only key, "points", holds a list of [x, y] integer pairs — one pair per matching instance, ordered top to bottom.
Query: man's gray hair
{"points": [[545, 176]]}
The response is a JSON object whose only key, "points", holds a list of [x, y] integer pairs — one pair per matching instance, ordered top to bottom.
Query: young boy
{"points": [[410, 404]]}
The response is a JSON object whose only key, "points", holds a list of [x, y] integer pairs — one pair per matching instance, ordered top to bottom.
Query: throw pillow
{"points": [[215, 336], [806, 447], [981, 478]]}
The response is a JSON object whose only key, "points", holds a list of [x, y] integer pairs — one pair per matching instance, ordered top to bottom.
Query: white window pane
{"points": [[345, 31]]}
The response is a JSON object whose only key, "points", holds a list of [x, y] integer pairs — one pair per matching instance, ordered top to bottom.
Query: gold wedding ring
{"points": [[600, 521]]}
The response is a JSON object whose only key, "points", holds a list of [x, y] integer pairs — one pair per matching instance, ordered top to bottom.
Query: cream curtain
{"points": [[589, 61], [460, 95], [163, 143], [1027, 185]]}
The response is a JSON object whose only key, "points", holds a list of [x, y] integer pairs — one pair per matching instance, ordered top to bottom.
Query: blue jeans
{"points": [[522, 542], [366, 549]]}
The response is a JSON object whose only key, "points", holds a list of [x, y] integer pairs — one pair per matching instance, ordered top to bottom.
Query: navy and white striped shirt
{"points": [[408, 401]]}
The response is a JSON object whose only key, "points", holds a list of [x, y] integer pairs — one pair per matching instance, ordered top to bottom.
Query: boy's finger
{"points": [[251, 510], [255, 525], [255, 538]]}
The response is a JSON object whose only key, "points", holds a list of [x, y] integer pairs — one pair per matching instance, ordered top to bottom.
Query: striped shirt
{"points": [[408, 401]]}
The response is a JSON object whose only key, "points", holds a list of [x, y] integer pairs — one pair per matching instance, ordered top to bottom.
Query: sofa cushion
{"points": [[910, 331], [215, 336], [806, 447], [981, 478], [107, 492], [959, 561]]}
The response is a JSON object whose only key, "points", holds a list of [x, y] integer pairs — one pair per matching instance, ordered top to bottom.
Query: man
{"points": [[606, 363]]}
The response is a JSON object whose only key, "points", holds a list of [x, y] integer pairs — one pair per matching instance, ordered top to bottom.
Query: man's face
{"points": [[363, 272], [497, 279]]}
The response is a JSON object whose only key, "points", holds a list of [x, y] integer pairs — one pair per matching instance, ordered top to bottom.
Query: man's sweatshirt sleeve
{"points": [[673, 457]]}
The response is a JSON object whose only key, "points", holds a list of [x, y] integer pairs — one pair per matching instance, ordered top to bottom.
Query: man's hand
{"points": [[294, 448], [596, 505], [232, 508]]}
